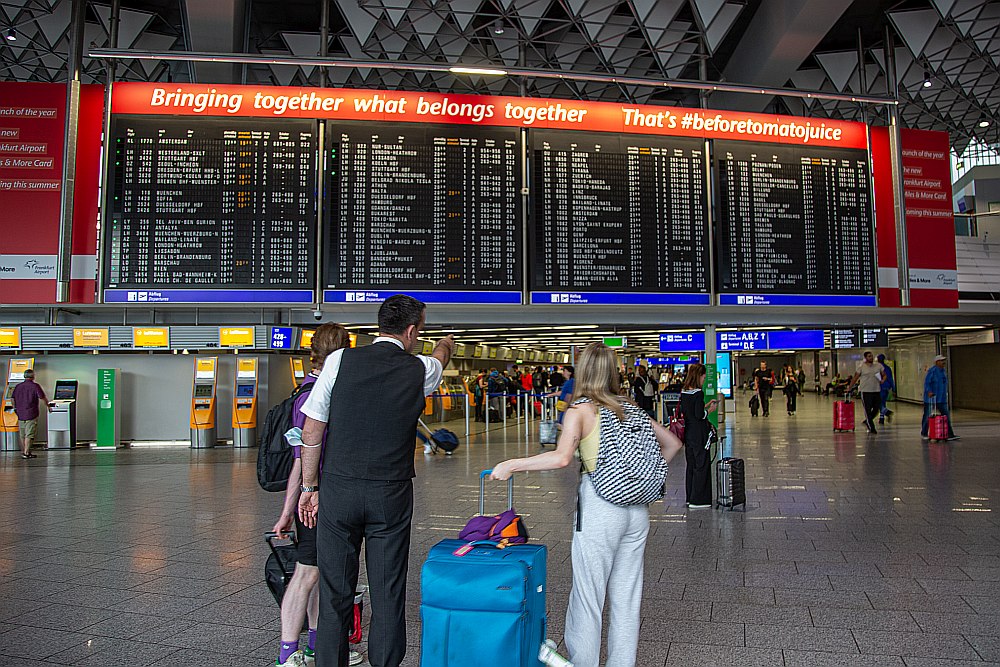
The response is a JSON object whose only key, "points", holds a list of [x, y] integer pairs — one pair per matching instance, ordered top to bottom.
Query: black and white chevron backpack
{"points": [[629, 468]]}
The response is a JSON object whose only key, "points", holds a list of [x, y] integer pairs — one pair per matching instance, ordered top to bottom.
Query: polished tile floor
{"points": [[855, 549]]}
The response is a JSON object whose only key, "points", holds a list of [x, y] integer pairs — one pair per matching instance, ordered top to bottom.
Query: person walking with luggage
{"points": [[868, 378], [763, 385], [888, 385], [644, 390], [791, 391], [478, 393], [26, 396], [372, 397], [936, 397], [698, 432], [610, 540], [302, 594]]}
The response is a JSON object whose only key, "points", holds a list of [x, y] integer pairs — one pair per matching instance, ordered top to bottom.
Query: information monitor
{"points": [[424, 208], [211, 210], [620, 215], [795, 221]]}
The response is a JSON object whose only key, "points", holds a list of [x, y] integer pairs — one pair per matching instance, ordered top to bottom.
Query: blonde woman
{"points": [[610, 540]]}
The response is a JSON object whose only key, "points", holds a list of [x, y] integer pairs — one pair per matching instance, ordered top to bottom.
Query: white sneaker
{"points": [[698, 507], [355, 658], [297, 659]]}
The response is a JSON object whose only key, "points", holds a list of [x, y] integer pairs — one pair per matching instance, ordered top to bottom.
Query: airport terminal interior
{"points": [[769, 190]]}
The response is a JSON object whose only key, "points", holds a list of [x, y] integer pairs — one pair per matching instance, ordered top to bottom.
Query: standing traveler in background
{"points": [[801, 377], [869, 378], [888, 384], [763, 385], [644, 390], [791, 391], [564, 392], [479, 393], [26, 396], [936, 396], [372, 397], [697, 435], [610, 539], [302, 593]]}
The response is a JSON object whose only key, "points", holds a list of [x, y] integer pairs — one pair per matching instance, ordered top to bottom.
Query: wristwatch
{"points": [[308, 489]]}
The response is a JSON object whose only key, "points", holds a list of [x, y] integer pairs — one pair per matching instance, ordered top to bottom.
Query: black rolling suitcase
{"points": [[730, 478], [278, 571]]}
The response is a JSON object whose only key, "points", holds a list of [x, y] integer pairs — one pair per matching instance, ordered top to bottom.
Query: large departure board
{"points": [[211, 210], [434, 211], [618, 219], [795, 226]]}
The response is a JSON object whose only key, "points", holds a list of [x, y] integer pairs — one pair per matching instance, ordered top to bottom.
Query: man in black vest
{"points": [[371, 397]]}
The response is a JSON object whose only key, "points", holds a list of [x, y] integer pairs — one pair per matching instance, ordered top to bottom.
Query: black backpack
{"points": [[274, 454]]}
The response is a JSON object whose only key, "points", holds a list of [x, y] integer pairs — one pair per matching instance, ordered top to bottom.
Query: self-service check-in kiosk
{"points": [[298, 370], [15, 376], [245, 403], [62, 415], [203, 431]]}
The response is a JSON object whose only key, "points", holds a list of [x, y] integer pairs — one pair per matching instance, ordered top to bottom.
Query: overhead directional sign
{"points": [[803, 339], [692, 341]]}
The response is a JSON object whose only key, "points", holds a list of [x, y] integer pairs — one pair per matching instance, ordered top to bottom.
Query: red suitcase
{"points": [[843, 416], [937, 427]]}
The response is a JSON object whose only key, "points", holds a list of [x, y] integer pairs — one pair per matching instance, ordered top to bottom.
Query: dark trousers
{"points": [[765, 401], [790, 401], [872, 402], [698, 481], [352, 510]]}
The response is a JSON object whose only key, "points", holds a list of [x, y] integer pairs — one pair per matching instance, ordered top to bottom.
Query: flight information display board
{"points": [[204, 210], [431, 210], [618, 219], [795, 226], [846, 339]]}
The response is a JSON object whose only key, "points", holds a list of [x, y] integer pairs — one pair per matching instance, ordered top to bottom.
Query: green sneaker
{"points": [[310, 657]]}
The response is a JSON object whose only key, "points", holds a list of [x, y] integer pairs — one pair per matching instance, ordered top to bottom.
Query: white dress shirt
{"points": [[317, 405]]}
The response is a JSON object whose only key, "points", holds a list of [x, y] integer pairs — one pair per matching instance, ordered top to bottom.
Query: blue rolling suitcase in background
{"points": [[482, 604]]}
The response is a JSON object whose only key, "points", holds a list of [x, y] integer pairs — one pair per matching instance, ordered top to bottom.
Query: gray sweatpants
{"points": [[607, 561]]}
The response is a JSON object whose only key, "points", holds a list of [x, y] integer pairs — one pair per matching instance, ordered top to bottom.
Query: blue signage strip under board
{"points": [[207, 296], [378, 296], [620, 299], [848, 300], [281, 338], [667, 361]]}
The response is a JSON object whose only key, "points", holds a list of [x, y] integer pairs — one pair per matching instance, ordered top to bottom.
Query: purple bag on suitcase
{"points": [[506, 526]]}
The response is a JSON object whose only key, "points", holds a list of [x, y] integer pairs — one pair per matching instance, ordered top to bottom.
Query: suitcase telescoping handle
{"points": [[482, 492], [270, 538]]}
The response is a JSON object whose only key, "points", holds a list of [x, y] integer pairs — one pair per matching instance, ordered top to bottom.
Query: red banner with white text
{"points": [[417, 107], [32, 140], [930, 223]]}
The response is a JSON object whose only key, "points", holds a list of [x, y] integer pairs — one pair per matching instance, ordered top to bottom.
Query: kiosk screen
{"points": [[203, 391], [244, 391], [65, 392]]}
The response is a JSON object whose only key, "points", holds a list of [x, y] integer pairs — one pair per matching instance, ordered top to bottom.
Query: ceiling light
{"points": [[498, 28], [11, 35], [478, 70], [927, 79], [984, 122]]}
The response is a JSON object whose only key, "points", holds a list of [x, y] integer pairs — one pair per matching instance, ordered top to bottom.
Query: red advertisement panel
{"points": [[417, 107], [32, 140], [930, 225]]}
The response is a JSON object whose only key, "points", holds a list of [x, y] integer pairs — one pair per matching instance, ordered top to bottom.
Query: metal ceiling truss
{"points": [[956, 41]]}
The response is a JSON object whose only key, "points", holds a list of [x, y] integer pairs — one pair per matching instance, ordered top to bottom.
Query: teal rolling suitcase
{"points": [[481, 604]]}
